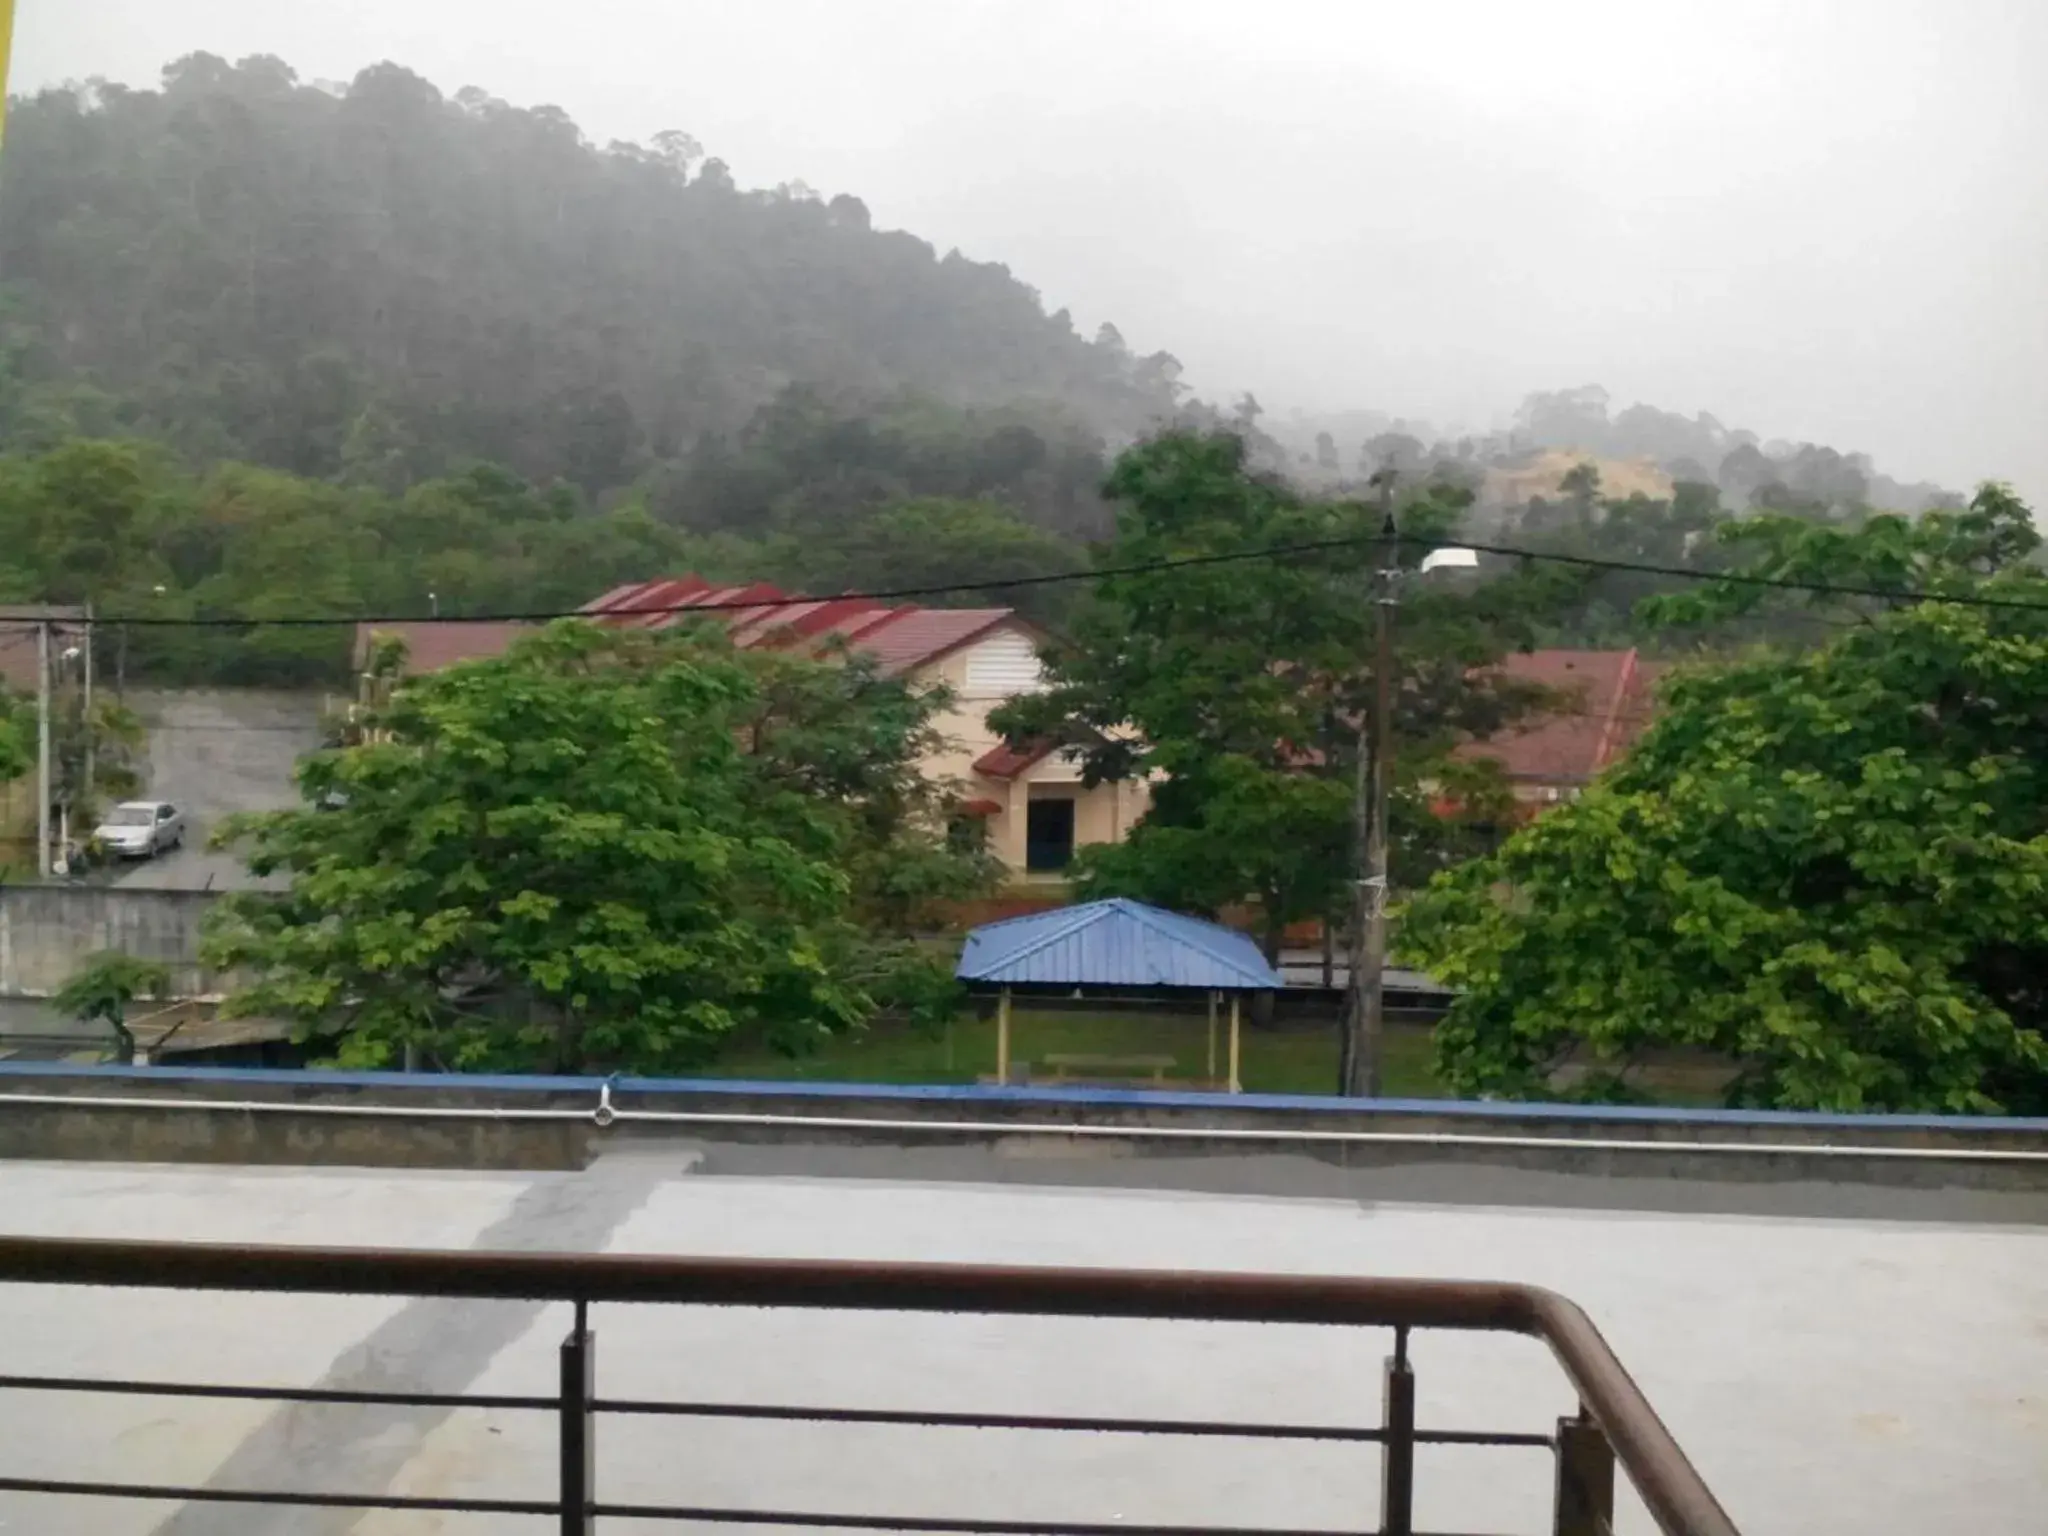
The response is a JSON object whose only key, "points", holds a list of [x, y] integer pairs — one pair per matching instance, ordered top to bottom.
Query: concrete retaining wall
{"points": [[45, 930], [389, 1119]]}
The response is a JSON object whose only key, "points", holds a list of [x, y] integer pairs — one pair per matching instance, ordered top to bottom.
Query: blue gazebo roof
{"points": [[1115, 943]]}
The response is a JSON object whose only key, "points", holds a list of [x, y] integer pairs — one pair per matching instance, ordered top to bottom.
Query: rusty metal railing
{"points": [[1614, 1421]]}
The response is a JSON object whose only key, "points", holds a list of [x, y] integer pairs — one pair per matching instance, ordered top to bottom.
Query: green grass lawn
{"points": [[1291, 1059]]}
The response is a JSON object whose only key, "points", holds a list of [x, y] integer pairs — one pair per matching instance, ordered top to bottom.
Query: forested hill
{"points": [[377, 281]]}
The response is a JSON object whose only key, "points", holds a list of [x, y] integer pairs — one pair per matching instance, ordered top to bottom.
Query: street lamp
{"points": [[1452, 557]]}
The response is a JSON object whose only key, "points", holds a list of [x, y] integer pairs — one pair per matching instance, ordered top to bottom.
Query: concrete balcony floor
{"points": [[1830, 1376]]}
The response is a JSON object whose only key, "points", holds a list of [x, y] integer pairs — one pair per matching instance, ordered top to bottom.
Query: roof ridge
{"points": [[1605, 746], [1088, 913], [1083, 915], [1149, 916]]}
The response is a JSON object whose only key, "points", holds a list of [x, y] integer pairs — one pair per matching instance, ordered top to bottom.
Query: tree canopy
{"points": [[377, 281], [355, 316], [127, 527], [1237, 687], [17, 734], [603, 850], [1829, 866], [101, 988]]}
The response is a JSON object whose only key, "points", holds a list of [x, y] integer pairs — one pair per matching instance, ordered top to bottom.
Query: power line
{"points": [[1053, 578], [1738, 578], [889, 594]]}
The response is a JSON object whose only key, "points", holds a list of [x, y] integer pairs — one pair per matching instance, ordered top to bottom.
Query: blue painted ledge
{"points": [[1312, 1104]]}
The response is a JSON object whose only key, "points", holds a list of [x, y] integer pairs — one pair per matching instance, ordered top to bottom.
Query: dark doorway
{"points": [[1048, 834]]}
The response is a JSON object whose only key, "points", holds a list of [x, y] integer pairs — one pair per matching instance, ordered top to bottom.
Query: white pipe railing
{"points": [[604, 1113]]}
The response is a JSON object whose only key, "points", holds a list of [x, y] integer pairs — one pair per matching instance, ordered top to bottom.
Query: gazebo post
{"points": [[1212, 1037], [1003, 1038], [1235, 1085]]}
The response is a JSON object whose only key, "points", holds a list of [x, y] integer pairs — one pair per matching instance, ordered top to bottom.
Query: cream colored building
{"points": [[1031, 802], [1037, 809]]}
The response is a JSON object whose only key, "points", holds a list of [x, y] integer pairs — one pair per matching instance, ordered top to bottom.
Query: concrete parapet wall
{"points": [[45, 930], [1270, 1142]]}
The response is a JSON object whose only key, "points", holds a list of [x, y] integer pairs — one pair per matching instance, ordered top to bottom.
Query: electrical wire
{"points": [[1051, 578], [1739, 578], [888, 594]]}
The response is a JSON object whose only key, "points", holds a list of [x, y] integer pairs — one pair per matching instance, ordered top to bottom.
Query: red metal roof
{"points": [[636, 595], [831, 612], [920, 635], [900, 639], [1612, 698], [1006, 761]]}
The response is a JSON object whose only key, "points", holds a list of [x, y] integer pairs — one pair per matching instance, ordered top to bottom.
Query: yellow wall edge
{"points": [[6, 53]]}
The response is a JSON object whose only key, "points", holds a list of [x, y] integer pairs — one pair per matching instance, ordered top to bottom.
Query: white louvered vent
{"points": [[1002, 665]]}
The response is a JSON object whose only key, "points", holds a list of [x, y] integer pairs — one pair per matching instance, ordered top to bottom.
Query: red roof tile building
{"points": [[1610, 697], [1032, 803]]}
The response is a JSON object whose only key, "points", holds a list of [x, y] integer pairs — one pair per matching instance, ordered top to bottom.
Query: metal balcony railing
{"points": [[1614, 1422]]}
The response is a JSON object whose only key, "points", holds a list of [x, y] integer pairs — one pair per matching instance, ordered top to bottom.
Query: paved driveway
{"points": [[213, 752], [1830, 1377]]}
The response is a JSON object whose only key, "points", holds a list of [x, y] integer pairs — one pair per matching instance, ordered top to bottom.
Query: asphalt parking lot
{"points": [[214, 752]]}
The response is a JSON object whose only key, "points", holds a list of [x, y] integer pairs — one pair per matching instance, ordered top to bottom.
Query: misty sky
{"points": [[1821, 219]]}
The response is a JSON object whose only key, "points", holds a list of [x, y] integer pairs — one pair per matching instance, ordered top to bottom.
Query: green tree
{"points": [[386, 282], [1580, 488], [78, 519], [1678, 533], [1237, 686], [17, 735], [834, 744], [93, 755], [603, 850], [1830, 867], [103, 986]]}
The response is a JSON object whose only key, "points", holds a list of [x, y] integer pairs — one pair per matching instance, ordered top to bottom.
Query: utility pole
{"points": [[85, 709], [43, 748], [1365, 996]]}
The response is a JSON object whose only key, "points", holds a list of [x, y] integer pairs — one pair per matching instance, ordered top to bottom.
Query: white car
{"points": [[141, 829]]}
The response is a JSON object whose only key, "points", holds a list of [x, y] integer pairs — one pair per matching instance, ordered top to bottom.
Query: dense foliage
{"points": [[375, 281], [272, 350], [282, 350], [478, 357], [125, 527], [1674, 542], [1239, 686], [17, 734], [604, 851], [1829, 866], [101, 988]]}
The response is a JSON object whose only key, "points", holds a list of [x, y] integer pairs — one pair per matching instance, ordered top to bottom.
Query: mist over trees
{"points": [[377, 281], [273, 347], [1749, 472], [1775, 476]]}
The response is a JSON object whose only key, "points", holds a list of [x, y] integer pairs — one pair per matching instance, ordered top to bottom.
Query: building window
{"points": [[1048, 835]]}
